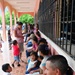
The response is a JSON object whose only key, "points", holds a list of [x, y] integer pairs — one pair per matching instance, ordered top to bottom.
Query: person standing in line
{"points": [[19, 37], [9, 39]]}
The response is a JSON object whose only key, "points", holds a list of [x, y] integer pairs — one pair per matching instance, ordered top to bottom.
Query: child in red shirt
{"points": [[16, 52]]}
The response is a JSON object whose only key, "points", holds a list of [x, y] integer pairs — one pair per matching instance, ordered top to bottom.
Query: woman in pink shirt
{"points": [[36, 32], [19, 37], [35, 43]]}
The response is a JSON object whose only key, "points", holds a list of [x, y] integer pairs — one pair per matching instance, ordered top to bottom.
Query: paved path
{"points": [[7, 57]]}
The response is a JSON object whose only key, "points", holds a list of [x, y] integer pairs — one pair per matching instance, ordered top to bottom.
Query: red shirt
{"points": [[16, 50]]}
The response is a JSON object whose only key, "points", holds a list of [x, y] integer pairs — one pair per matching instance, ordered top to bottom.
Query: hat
{"points": [[29, 45]]}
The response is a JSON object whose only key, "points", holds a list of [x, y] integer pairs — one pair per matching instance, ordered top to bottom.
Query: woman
{"points": [[19, 36]]}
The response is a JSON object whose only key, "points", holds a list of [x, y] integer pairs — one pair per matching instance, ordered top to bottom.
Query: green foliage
{"points": [[7, 18], [12, 18], [26, 18], [0, 20]]}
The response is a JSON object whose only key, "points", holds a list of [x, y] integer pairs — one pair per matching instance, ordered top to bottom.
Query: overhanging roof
{"points": [[23, 5]]}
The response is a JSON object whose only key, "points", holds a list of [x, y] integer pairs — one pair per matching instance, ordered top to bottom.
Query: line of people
{"points": [[39, 58]]}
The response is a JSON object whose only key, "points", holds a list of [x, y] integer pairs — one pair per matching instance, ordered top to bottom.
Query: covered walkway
{"points": [[19, 8], [56, 24], [7, 57]]}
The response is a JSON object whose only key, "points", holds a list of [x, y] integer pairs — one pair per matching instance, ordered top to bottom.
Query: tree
{"points": [[7, 18], [12, 18], [26, 18]]}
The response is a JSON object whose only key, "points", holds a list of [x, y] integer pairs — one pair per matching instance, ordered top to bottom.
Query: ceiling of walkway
{"points": [[23, 5]]}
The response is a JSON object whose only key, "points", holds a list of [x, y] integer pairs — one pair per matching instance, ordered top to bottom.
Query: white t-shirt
{"points": [[43, 63], [31, 64], [6, 73]]}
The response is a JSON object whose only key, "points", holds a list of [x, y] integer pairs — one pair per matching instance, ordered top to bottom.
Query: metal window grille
{"points": [[57, 21]]}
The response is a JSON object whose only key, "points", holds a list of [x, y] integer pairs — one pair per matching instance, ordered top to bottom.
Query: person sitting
{"points": [[29, 31], [38, 35], [29, 38], [9, 39], [42, 41], [35, 44], [34, 47], [28, 48], [43, 51], [32, 62], [38, 65], [57, 65], [6, 68]]}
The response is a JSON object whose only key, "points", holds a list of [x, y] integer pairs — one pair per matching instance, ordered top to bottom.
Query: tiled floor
{"points": [[7, 57]]}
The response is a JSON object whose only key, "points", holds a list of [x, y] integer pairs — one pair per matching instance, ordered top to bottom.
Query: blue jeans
{"points": [[27, 35], [27, 54], [31, 70]]}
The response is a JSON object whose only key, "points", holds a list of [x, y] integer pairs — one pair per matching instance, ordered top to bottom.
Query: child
{"points": [[9, 39], [16, 52], [32, 62], [38, 66], [7, 69]]}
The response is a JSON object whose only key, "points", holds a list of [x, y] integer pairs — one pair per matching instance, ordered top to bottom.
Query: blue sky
{"points": [[6, 9]]}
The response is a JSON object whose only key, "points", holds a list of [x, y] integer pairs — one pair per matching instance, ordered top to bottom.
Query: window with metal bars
{"points": [[57, 21], [68, 26]]}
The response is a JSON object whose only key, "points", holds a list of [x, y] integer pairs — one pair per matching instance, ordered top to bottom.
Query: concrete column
{"points": [[14, 20], [11, 21], [3, 22]]}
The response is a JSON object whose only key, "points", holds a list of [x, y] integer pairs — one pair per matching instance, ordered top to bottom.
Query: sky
{"points": [[6, 9]]}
